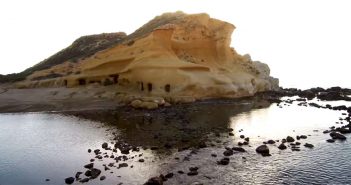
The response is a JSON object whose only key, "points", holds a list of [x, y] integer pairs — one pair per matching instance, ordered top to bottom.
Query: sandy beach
{"points": [[56, 99]]}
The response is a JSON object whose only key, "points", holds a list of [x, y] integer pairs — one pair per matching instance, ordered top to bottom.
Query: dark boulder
{"points": [[336, 135], [290, 139], [330, 140], [270, 141], [104, 145], [308, 145], [282, 146], [238, 149], [263, 150], [228, 152], [224, 161], [89, 166], [95, 173], [69, 180], [154, 181]]}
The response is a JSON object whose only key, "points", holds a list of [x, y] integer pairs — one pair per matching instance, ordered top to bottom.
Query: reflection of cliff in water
{"points": [[179, 126]]}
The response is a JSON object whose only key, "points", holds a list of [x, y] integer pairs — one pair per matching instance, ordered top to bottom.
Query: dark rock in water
{"points": [[343, 130], [326, 132], [231, 134], [336, 135], [242, 136], [303, 137], [247, 139], [290, 139], [283, 140], [330, 140], [270, 141], [245, 143], [297, 143], [240, 144], [104, 145], [308, 145], [282, 146], [238, 149], [263, 149], [295, 149], [89, 150], [228, 152], [214, 155], [141, 160], [224, 161], [122, 165], [89, 166], [193, 168], [180, 172], [88, 173], [95, 173], [192, 173], [78, 174], [169, 175], [102, 178], [47, 180], [69, 180], [84, 180], [154, 181]]}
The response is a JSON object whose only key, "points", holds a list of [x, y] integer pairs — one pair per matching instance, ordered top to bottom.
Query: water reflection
{"points": [[54, 146]]}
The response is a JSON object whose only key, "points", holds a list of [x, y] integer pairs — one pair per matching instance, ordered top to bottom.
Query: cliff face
{"points": [[175, 54]]}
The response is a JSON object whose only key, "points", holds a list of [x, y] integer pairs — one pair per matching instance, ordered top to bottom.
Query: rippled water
{"points": [[39, 146]]}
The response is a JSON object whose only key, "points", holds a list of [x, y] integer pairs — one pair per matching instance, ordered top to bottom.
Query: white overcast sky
{"points": [[305, 42]]}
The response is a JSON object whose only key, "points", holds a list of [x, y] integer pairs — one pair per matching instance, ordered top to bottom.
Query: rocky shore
{"points": [[122, 152]]}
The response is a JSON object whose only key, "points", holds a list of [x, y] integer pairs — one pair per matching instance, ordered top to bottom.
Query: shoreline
{"points": [[107, 98]]}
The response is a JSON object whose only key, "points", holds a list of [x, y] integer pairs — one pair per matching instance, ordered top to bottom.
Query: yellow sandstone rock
{"points": [[178, 56]]}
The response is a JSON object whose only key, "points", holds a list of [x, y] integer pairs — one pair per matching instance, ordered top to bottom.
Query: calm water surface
{"points": [[39, 146]]}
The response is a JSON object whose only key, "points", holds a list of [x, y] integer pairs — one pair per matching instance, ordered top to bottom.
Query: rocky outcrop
{"points": [[174, 55]]}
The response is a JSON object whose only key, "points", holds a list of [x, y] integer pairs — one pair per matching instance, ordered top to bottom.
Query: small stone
{"points": [[242, 136], [290, 139], [330, 140], [271, 141], [308, 145], [282, 146], [239, 149], [263, 149], [89, 150], [228, 153], [141, 160], [224, 161], [122, 165], [89, 166], [193, 168], [95, 173], [193, 173], [78, 174], [169, 175], [102, 178], [69, 180], [84, 180], [154, 181]]}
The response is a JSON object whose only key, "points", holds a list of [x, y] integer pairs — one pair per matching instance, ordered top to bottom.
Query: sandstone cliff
{"points": [[175, 54]]}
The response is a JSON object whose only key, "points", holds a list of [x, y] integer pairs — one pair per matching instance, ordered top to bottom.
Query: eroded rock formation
{"points": [[175, 54]]}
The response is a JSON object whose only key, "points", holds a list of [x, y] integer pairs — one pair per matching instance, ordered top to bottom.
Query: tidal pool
{"points": [[40, 146]]}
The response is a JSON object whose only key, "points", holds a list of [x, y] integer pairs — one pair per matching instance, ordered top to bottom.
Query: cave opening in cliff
{"points": [[115, 78], [81, 81], [142, 86], [149, 87], [168, 88]]}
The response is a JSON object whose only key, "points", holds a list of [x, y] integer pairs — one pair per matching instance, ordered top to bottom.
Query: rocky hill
{"points": [[175, 54]]}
